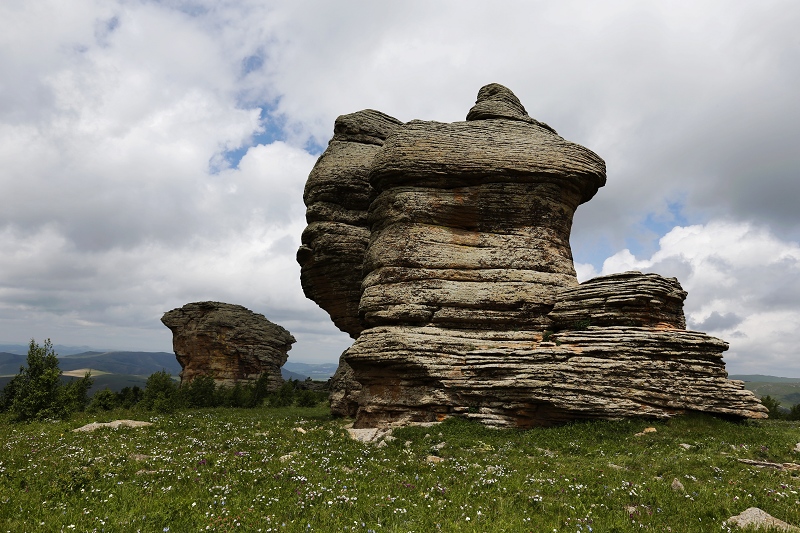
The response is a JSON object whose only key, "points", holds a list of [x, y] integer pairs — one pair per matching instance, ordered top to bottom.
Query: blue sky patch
{"points": [[273, 131]]}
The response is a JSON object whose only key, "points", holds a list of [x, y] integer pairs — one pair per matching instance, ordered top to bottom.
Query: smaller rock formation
{"points": [[624, 299], [228, 342]]}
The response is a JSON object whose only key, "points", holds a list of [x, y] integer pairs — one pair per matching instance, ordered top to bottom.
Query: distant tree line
{"points": [[37, 392], [775, 411]]}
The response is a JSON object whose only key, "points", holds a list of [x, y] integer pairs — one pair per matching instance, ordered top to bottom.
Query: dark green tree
{"points": [[260, 390], [200, 392], [8, 393], [36, 393], [160, 393], [75, 394], [128, 397], [283, 397], [308, 398], [103, 400], [773, 406]]}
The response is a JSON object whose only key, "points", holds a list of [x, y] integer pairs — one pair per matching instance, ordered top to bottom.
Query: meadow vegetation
{"points": [[279, 466], [296, 469]]}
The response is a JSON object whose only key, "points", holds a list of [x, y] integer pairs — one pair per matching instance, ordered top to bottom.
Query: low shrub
{"points": [[160, 393], [103, 400]]}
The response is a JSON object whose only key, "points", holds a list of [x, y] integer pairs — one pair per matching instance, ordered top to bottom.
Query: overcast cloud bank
{"points": [[154, 153]]}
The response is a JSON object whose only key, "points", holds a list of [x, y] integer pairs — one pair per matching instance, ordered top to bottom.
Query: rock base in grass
{"points": [[228, 342]]}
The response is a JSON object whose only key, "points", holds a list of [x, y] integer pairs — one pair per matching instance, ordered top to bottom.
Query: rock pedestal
{"points": [[468, 302], [228, 342]]}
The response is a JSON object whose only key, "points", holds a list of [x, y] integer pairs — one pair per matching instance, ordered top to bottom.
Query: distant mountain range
{"points": [[60, 349], [129, 363], [116, 370], [317, 372], [758, 378], [785, 390]]}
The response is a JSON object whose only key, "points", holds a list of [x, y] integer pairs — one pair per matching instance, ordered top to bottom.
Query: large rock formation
{"points": [[338, 195], [454, 273], [228, 342]]}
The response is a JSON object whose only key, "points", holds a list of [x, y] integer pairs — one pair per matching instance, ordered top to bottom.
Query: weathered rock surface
{"points": [[337, 196], [467, 233], [467, 298], [626, 299], [227, 342], [508, 378], [344, 390], [115, 424], [755, 518]]}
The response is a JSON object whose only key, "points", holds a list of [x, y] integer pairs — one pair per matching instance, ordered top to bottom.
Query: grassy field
{"points": [[297, 470]]}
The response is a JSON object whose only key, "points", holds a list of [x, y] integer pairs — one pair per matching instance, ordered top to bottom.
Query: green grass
{"points": [[252, 470]]}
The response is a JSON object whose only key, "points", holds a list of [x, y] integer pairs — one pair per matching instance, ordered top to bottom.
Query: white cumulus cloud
{"points": [[744, 287]]}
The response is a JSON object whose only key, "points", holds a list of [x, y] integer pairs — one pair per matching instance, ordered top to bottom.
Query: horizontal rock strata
{"points": [[337, 196], [470, 226], [444, 250], [626, 299], [228, 342], [422, 374]]}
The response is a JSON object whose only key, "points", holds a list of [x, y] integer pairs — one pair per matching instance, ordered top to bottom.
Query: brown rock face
{"points": [[338, 195], [467, 299], [626, 299], [227, 342], [344, 390]]}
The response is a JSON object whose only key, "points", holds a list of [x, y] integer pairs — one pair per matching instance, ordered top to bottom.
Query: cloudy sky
{"points": [[154, 153]]}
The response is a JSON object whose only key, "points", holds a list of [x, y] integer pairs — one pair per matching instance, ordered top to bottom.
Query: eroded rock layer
{"points": [[337, 196], [470, 227], [452, 268], [626, 299], [228, 342], [422, 374]]}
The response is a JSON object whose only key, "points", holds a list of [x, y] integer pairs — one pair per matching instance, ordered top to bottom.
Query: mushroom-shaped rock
{"points": [[470, 226], [467, 299], [228, 342]]}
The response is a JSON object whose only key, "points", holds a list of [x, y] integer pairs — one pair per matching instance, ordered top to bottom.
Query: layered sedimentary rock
{"points": [[338, 195], [626, 299], [468, 302], [228, 342], [514, 378], [344, 390]]}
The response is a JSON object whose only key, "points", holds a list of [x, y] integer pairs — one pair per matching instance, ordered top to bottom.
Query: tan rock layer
{"points": [[496, 101], [491, 199], [625, 299], [228, 342], [514, 379]]}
